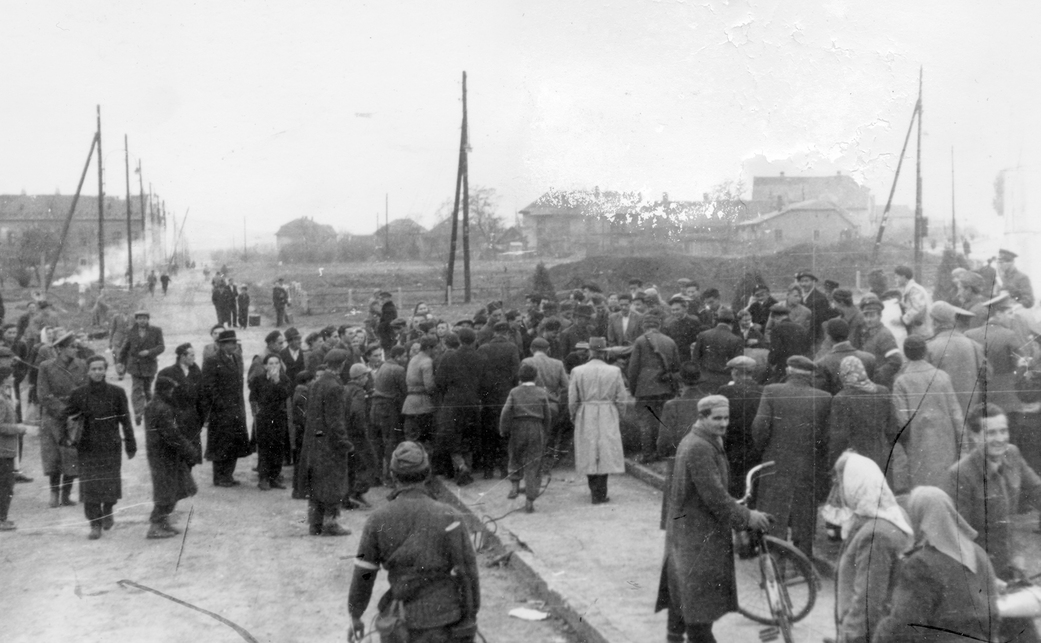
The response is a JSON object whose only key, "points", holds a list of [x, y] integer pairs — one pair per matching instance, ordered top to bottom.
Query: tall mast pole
{"points": [[466, 200], [455, 207], [101, 209], [386, 222], [954, 222], [918, 224], [130, 236]]}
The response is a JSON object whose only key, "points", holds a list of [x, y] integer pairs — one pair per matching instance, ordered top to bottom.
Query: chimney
{"points": [[782, 175], [780, 202]]}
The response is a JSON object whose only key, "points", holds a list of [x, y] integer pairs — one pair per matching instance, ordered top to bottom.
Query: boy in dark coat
{"points": [[525, 421], [171, 455]]}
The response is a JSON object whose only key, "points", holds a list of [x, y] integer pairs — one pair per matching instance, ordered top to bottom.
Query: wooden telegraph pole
{"points": [[896, 176], [462, 190], [101, 209], [954, 221], [919, 224], [130, 236]]}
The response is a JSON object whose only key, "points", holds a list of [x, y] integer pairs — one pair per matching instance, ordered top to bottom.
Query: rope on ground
{"points": [[486, 521], [242, 632]]}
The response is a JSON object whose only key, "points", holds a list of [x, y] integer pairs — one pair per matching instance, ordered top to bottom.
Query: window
{"points": [[778, 235], [816, 235]]}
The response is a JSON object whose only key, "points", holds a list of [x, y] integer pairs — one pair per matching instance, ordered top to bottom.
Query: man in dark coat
{"points": [[231, 297], [280, 299], [219, 301], [242, 303], [761, 305], [820, 308], [388, 313], [623, 327], [683, 328], [786, 340], [714, 348], [138, 357], [502, 362], [653, 366], [826, 377], [458, 379], [388, 395], [744, 395], [186, 397], [102, 409], [225, 409], [677, 416], [791, 429], [170, 458], [323, 458], [361, 462], [426, 550], [698, 584]]}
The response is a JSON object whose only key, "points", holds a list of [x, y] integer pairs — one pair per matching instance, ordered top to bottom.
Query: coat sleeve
{"points": [[159, 346], [124, 350], [635, 359], [123, 411], [547, 415], [506, 416], [335, 418], [762, 425], [712, 490], [874, 562], [914, 601]]}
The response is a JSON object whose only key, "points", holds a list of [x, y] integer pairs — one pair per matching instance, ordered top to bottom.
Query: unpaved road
{"points": [[247, 556]]}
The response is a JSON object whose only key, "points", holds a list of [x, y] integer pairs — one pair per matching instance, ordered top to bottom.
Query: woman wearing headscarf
{"points": [[862, 417], [171, 455], [875, 532], [946, 589]]}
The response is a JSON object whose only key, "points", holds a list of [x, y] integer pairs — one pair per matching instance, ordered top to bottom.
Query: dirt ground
{"points": [[246, 556]]}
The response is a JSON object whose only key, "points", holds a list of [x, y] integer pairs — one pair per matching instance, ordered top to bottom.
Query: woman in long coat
{"points": [[270, 390], [186, 398], [596, 399], [102, 408], [861, 416], [929, 416], [171, 455], [874, 536]]}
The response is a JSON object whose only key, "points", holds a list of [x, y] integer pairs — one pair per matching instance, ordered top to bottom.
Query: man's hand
{"points": [[144, 353], [759, 521], [357, 630]]}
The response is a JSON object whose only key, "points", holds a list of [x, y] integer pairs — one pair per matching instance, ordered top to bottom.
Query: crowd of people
{"points": [[825, 387]]}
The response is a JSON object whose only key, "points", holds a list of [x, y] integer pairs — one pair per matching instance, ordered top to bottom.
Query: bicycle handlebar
{"points": [[750, 476]]}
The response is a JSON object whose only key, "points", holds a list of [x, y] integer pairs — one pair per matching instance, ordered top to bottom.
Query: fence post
{"points": [[858, 281], [448, 294], [350, 297], [401, 300]]}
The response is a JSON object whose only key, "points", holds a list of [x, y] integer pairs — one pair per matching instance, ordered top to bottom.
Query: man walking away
{"points": [[653, 365], [524, 422]]}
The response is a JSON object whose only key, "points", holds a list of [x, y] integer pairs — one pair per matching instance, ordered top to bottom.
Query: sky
{"points": [[247, 115]]}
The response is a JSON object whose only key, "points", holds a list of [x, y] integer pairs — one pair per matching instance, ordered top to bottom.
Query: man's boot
{"points": [[514, 490], [66, 491], [55, 501], [314, 522], [165, 524], [332, 528], [155, 530], [95, 531]]}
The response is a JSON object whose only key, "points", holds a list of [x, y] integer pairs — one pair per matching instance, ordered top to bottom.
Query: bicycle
{"points": [[776, 584]]}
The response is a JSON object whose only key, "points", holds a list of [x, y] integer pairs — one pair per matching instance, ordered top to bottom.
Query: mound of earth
{"points": [[840, 262]]}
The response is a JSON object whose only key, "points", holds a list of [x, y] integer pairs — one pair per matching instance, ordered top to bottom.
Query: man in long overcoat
{"points": [[138, 358], [502, 362], [653, 367], [458, 379], [56, 380], [744, 394], [186, 397], [596, 399], [225, 407], [102, 408], [677, 416], [929, 416], [791, 429], [171, 454], [323, 458], [698, 584]]}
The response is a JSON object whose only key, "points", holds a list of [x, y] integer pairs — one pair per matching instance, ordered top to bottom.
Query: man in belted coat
{"points": [[144, 343], [653, 366], [791, 429]]}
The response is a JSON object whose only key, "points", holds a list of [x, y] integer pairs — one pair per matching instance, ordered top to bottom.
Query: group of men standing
{"points": [[231, 302]]}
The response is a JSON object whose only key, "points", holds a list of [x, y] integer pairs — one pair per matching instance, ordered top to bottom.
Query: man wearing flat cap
{"points": [[1013, 281], [818, 304], [878, 340], [1002, 346], [138, 357], [960, 357], [652, 369], [827, 376], [55, 382], [744, 393], [596, 400], [224, 409], [791, 428], [323, 458], [430, 560], [698, 583]]}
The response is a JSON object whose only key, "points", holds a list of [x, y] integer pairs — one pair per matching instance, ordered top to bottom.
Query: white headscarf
{"points": [[866, 493], [939, 524]]}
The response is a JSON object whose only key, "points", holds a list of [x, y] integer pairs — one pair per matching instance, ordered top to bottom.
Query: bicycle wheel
{"points": [[800, 583]]}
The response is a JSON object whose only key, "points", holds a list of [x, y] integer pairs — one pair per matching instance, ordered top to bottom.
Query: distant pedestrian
{"points": [[152, 279], [165, 281], [280, 299], [243, 306], [102, 409]]}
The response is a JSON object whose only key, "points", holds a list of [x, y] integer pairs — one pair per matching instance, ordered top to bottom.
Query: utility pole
{"points": [[892, 188], [462, 191], [101, 209], [68, 219], [386, 222], [954, 222], [919, 225], [130, 236], [245, 251]]}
